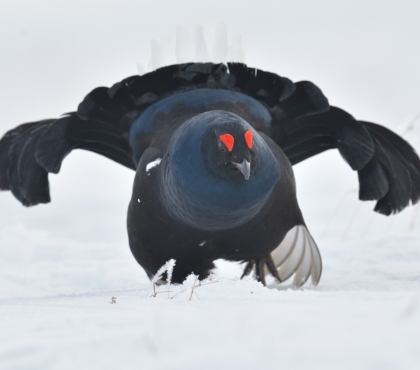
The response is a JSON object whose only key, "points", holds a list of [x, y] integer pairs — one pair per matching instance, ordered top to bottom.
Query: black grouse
{"points": [[213, 147]]}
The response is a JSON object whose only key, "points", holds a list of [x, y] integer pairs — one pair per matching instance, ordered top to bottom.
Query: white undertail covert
{"points": [[298, 254]]}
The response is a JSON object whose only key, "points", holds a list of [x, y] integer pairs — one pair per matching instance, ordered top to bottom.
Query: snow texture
{"points": [[62, 265], [365, 314]]}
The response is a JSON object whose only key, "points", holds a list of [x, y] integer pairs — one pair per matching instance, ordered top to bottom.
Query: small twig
{"points": [[168, 267], [169, 271], [213, 282], [198, 286], [192, 289], [182, 291], [156, 293]]}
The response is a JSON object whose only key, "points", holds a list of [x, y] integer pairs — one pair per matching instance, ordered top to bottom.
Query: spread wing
{"points": [[300, 121]]}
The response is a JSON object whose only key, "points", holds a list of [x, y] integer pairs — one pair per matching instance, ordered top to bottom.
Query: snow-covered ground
{"points": [[61, 264], [58, 314]]}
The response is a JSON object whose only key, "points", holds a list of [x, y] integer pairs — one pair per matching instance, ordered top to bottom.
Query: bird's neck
{"points": [[194, 195]]}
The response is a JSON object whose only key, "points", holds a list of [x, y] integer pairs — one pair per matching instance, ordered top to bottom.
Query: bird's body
{"points": [[213, 148], [181, 209]]}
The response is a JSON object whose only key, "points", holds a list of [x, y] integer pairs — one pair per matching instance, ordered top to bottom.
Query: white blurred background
{"points": [[365, 56]]}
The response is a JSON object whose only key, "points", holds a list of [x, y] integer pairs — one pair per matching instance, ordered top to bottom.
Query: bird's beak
{"points": [[244, 167]]}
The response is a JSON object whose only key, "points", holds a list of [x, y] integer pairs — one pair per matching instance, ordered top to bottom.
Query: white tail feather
{"points": [[220, 45], [184, 46], [192, 47], [236, 51], [201, 52], [158, 60], [141, 70], [280, 254], [298, 254], [292, 262], [304, 269], [316, 269]]}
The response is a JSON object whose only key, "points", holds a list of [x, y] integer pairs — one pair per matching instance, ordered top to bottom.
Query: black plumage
{"points": [[213, 147]]}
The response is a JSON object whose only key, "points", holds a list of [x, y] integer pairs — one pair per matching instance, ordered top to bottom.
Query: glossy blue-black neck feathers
{"points": [[199, 101], [198, 194]]}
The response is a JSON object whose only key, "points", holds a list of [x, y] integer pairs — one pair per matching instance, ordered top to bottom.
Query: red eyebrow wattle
{"points": [[248, 138], [228, 140]]}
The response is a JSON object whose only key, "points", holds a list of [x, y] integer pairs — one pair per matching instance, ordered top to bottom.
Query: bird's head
{"points": [[221, 145], [228, 145], [219, 171]]}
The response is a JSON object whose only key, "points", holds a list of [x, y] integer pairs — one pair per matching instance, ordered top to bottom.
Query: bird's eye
{"points": [[227, 140], [222, 147]]}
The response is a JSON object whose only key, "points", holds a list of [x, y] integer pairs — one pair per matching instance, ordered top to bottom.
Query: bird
{"points": [[213, 147]]}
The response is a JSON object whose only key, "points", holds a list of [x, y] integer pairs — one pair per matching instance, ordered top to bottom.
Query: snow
{"points": [[61, 264], [56, 313], [365, 314]]}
